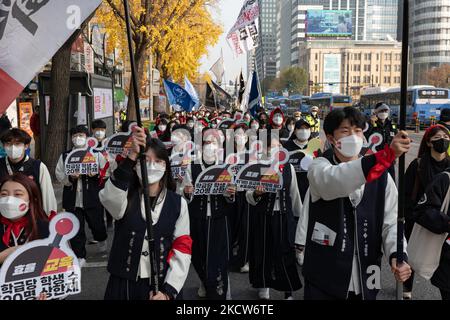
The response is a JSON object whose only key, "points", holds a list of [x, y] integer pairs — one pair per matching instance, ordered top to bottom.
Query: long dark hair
{"points": [[429, 133], [161, 153], [35, 211]]}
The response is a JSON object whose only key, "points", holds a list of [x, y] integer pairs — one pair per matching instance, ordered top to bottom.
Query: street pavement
{"points": [[95, 275]]}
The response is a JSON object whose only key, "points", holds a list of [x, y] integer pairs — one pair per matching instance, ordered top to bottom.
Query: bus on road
{"points": [[424, 102]]}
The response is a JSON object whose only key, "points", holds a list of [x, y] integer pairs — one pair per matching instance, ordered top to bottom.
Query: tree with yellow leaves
{"points": [[176, 32]]}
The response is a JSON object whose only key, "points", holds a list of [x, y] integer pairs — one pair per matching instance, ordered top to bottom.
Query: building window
{"points": [[317, 56], [378, 56], [315, 67], [376, 69]]}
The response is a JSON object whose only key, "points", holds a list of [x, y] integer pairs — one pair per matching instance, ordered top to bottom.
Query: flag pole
{"points": [[402, 126], [142, 160]]}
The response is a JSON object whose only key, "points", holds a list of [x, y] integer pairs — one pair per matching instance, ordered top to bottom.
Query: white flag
{"points": [[30, 34], [244, 35], [218, 69], [246, 95]]}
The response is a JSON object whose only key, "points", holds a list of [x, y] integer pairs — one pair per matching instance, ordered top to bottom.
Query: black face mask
{"points": [[441, 145]]}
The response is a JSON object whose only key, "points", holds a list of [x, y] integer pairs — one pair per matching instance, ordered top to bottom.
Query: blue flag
{"points": [[191, 90], [254, 96], [178, 97]]}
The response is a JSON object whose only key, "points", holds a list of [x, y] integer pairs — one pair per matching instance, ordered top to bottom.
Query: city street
{"points": [[95, 275]]}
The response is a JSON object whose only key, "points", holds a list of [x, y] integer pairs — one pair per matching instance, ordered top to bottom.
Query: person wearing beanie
{"points": [[445, 118], [382, 124]]}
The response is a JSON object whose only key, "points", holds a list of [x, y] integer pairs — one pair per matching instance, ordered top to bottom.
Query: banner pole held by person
{"points": [[142, 160], [401, 164]]}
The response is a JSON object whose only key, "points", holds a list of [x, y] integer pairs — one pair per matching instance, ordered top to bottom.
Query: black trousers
{"points": [[94, 219], [210, 255], [123, 289], [314, 293], [445, 295]]}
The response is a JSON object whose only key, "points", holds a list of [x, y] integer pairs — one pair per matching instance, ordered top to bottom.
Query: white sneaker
{"points": [[102, 246], [300, 257], [81, 262], [245, 268], [229, 290], [201, 292], [264, 293], [289, 298]]}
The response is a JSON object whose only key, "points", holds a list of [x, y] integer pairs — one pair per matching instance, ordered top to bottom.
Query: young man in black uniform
{"points": [[382, 124], [16, 142], [80, 197], [350, 217]]}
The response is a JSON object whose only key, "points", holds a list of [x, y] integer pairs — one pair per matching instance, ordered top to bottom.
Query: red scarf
{"points": [[13, 226]]}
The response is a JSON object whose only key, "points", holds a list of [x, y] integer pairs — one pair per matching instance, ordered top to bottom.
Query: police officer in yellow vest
{"points": [[314, 121]]}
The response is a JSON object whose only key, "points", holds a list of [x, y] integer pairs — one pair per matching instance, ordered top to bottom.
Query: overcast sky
{"points": [[226, 16]]}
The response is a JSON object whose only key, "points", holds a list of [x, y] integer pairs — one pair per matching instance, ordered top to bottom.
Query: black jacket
{"points": [[428, 214]]}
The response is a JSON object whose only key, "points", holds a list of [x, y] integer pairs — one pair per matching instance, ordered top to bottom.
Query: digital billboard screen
{"points": [[329, 23]]}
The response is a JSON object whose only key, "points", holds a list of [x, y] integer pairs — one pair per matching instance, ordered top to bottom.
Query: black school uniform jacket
{"points": [[38, 171], [91, 186], [220, 206], [342, 211], [428, 214], [42, 228], [129, 259]]}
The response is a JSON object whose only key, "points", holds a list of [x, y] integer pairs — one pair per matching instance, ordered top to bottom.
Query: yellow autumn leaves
{"points": [[178, 33]]}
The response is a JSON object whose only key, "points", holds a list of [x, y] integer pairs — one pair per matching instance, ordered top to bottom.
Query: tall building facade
{"points": [[372, 20], [284, 29], [429, 37], [265, 53], [347, 67]]}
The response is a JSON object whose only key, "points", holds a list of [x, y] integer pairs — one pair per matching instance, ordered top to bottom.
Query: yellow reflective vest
{"points": [[313, 122]]}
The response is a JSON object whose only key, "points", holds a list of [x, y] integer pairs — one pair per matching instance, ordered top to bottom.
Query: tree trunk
{"points": [[139, 60], [58, 115]]}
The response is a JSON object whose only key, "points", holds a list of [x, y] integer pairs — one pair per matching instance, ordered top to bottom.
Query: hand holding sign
{"points": [[120, 143], [82, 161], [44, 269]]}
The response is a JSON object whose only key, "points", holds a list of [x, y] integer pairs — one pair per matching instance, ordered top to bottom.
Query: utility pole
{"points": [[150, 78]]}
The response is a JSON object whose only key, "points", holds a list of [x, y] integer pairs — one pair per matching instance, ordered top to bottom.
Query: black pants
{"points": [[94, 219], [210, 255], [123, 289], [314, 293], [445, 294]]}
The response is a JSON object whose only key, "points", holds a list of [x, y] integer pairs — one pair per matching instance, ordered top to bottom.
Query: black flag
{"points": [[241, 88], [223, 98], [210, 101]]}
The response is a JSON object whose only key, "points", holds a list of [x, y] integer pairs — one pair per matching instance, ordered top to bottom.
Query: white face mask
{"points": [[314, 113], [383, 115], [297, 118], [278, 120], [255, 126], [162, 128], [290, 128], [100, 134], [303, 134], [79, 142], [350, 146], [210, 151], [15, 152], [155, 172], [13, 208]]}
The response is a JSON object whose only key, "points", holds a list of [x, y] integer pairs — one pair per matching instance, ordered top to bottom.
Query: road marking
{"points": [[101, 264]]}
